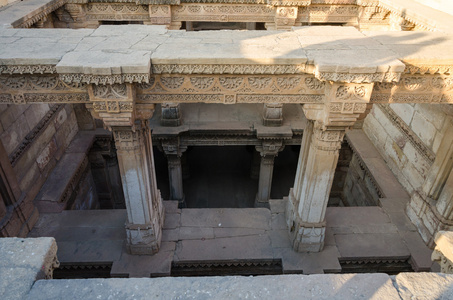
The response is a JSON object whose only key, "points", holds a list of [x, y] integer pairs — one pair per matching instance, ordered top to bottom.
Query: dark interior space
{"points": [[285, 166], [219, 177]]}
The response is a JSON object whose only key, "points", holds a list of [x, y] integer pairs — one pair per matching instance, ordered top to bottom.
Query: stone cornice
{"points": [[31, 18], [414, 68], [27, 69], [227, 69], [105, 79]]}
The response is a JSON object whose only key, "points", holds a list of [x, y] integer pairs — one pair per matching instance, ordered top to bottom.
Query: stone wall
{"points": [[408, 137], [34, 138]]}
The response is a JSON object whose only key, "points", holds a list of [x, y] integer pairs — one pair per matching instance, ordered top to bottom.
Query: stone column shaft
{"points": [[173, 151], [268, 151], [175, 177], [265, 181], [311, 193], [143, 202]]}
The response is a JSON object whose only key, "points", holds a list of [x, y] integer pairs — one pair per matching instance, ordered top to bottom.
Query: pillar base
{"points": [[182, 202], [261, 204], [308, 237], [142, 241]]}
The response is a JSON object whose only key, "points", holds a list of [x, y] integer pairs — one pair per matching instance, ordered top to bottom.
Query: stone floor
{"points": [[197, 235]]}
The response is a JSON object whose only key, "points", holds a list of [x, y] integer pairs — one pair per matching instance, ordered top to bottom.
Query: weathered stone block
{"points": [[404, 111], [35, 113], [433, 113], [60, 118], [423, 128], [15, 133], [395, 153], [46, 155], [22, 262], [424, 286]]}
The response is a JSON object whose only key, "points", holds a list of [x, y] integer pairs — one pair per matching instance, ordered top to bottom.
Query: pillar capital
{"points": [[115, 104], [344, 104], [172, 147], [270, 148]]}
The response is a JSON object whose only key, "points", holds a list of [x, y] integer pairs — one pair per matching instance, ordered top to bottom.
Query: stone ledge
{"points": [[22, 261], [345, 286]]}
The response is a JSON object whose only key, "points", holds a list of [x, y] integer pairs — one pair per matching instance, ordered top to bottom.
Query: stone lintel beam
{"points": [[321, 142]]}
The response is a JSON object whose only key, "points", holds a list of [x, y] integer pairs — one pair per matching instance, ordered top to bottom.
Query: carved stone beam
{"points": [[323, 135]]}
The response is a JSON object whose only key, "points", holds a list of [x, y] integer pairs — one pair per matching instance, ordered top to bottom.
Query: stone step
{"points": [[57, 191]]}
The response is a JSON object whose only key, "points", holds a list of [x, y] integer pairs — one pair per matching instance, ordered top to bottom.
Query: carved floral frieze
{"points": [[117, 11], [223, 13], [415, 88], [231, 89]]}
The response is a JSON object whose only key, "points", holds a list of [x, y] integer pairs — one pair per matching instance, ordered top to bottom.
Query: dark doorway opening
{"points": [[219, 177]]}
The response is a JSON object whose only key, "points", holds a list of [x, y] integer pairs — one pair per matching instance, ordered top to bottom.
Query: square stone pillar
{"points": [[321, 143], [173, 151], [268, 151], [310, 195], [145, 213]]}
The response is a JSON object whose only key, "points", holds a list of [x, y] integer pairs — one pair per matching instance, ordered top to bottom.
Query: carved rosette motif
{"points": [[223, 13], [328, 13], [415, 88], [21, 89], [231, 89], [113, 98], [345, 102]]}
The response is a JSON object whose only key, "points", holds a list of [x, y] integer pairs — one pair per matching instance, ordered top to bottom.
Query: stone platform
{"points": [[207, 235]]}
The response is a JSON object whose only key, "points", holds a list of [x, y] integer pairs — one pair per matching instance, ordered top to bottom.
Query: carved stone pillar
{"points": [[115, 104], [171, 114], [273, 114], [326, 125], [268, 151], [173, 152], [145, 213]]}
